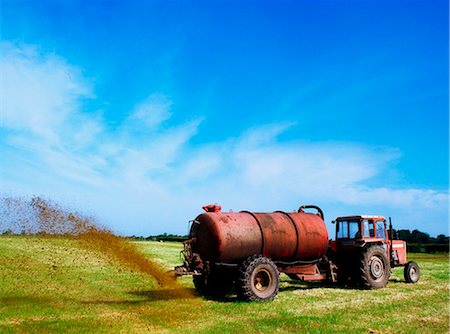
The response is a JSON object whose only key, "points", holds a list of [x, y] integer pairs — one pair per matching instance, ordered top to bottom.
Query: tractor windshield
{"points": [[368, 228], [348, 230], [381, 232]]}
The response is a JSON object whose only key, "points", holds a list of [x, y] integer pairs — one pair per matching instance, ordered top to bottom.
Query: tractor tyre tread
{"points": [[365, 279]]}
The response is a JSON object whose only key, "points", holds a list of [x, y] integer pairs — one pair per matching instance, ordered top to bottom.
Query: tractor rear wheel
{"points": [[374, 268], [411, 272], [259, 279]]}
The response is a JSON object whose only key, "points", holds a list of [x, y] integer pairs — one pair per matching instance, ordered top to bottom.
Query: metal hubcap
{"points": [[376, 267], [413, 273], [262, 280]]}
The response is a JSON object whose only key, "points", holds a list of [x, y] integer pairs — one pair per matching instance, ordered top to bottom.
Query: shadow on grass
{"points": [[397, 280], [299, 285], [189, 293], [165, 294], [148, 296], [232, 297], [229, 298], [24, 300]]}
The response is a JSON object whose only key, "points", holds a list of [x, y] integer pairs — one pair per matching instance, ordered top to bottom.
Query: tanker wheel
{"points": [[375, 269], [411, 272], [259, 279], [199, 283], [214, 284]]}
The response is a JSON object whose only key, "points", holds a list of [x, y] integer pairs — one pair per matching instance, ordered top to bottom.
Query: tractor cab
{"points": [[359, 230]]}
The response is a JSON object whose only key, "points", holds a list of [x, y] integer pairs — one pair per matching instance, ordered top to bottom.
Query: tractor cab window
{"points": [[353, 228], [368, 228], [342, 230], [348, 230], [381, 232]]}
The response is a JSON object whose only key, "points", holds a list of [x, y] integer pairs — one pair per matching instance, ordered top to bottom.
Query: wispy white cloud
{"points": [[39, 92], [150, 113], [146, 176]]}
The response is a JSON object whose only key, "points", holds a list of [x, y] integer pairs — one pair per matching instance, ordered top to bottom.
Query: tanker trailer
{"points": [[248, 250]]}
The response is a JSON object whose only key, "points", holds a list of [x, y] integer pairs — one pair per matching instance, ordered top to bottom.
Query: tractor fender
{"points": [[367, 245]]}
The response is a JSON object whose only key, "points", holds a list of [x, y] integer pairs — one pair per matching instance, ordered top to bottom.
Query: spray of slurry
{"points": [[41, 216]]}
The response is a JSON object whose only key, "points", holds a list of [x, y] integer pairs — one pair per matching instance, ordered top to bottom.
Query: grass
{"points": [[53, 285]]}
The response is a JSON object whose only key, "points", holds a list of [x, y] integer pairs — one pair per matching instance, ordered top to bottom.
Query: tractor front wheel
{"points": [[375, 269], [411, 272], [259, 279]]}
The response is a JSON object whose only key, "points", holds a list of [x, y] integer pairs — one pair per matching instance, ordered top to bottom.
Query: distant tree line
{"points": [[161, 237], [417, 237], [420, 242]]}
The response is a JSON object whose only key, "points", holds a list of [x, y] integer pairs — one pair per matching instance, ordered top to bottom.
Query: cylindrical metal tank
{"points": [[281, 236]]}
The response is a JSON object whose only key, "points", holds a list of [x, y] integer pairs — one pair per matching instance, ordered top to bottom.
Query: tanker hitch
{"points": [[193, 264]]}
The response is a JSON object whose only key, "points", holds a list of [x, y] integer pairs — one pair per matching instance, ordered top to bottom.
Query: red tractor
{"points": [[248, 250], [365, 252]]}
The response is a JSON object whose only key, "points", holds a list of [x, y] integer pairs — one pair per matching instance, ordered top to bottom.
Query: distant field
{"points": [[52, 285]]}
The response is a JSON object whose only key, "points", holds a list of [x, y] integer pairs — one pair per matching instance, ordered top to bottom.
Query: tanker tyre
{"points": [[374, 268], [411, 272], [259, 279], [199, 283], [216, 284]]}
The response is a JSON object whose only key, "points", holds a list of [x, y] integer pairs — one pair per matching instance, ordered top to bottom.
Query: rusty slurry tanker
{"points": [[248, 250]]}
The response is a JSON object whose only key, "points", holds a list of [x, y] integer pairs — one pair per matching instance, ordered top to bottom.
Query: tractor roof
{"points": [[360, 217]]}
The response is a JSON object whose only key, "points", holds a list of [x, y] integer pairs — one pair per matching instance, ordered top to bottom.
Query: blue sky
{"points": [[140, 112]]}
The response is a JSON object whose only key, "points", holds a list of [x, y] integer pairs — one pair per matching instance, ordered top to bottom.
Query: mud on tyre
{"points": [[259, 279]]}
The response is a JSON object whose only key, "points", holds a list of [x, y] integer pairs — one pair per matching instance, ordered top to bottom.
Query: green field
{"points": [[53, 285]]}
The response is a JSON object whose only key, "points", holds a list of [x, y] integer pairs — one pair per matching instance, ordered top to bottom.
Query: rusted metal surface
{"points": [[212, 208], [312, 235], [226, 237], [232, 237], [280, 239], [307, 269], [309, 272]]}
